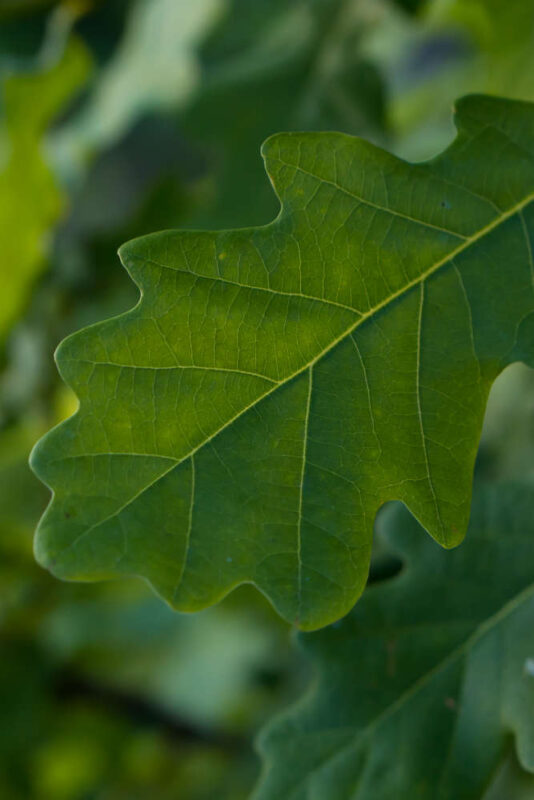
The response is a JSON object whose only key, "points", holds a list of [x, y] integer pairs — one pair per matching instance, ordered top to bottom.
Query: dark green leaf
{"points": [[422, 687]]}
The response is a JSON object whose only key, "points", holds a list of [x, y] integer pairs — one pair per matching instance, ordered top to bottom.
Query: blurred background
{"points": [[119, 118]]}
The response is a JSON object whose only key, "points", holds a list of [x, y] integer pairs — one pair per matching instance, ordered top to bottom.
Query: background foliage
{"points": [[122, 118]]}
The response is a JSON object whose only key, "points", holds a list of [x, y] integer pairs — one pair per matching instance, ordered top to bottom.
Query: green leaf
{"points": [[305, 62], [30, 200], [275, 386], [420, 689], [511, 782]]}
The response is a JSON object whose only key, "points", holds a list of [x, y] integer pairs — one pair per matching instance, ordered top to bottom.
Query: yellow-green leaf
{"points": [[30, 199], [275, 386]]}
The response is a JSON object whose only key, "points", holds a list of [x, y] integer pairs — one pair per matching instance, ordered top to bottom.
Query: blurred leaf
{"points": [[412, 6], [10, 8], [21, 37], [472, 46], [154, 67], [272, 67], [30, 200], [227, 419], [508, 436], [21, 497], [201, 668], [418, 699], [25, 703], [511, 782]]}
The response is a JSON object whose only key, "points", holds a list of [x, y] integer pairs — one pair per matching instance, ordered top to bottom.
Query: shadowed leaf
{"points": [[422, 687]]}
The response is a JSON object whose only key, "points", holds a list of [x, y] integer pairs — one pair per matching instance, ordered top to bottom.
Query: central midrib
{"points": [[363, 317]]}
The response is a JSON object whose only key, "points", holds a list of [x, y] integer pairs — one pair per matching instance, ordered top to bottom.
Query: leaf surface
{"points": [[275, 386], [421, 688]]}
